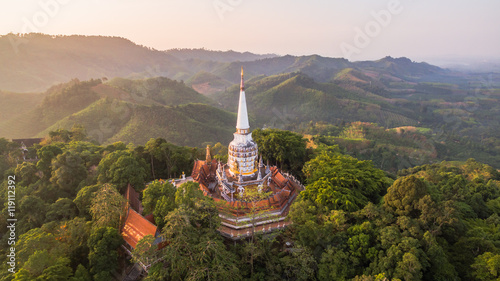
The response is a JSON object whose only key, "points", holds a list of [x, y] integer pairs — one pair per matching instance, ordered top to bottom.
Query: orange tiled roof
{"points": [[136, 227]]}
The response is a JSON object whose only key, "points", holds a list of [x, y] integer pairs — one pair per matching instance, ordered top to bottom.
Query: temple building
{"points": [[254, 197]]}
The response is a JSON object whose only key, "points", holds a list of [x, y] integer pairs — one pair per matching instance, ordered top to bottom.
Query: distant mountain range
{"points": [[219, 56], [34, 62]]}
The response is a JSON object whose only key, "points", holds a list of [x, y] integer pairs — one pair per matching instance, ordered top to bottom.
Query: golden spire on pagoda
{"points": [[242, 84], [208, 157]]}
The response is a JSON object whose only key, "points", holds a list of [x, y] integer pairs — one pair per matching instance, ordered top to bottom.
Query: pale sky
{"points": [[418, 29]]}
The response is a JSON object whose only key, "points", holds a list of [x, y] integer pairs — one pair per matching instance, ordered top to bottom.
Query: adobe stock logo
{"points": [[224, 6], [48, 10], [372, 29]]}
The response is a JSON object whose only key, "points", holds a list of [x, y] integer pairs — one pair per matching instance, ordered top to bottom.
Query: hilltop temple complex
{"points": [[253, 197]]}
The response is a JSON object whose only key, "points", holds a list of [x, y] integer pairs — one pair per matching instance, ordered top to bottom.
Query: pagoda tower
{"points": [[243, 151], [245, 173]]}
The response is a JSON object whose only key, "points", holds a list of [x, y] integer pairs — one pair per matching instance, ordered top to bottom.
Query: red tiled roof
{"points": [[28, 142], [196, 169], [203, 173], [279, 179], [205, 189], [287, 189], [132, 198], [150, 218], [136, 227]]}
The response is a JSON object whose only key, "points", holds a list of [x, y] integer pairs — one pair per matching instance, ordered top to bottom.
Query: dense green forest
{"points": [[399, 160], [353, 221]]}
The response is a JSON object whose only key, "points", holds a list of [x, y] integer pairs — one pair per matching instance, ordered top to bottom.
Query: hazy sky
{"points": [[418, 29]]}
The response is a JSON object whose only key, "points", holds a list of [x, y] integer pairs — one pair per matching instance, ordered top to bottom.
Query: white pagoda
{"points": [[243, 171]]}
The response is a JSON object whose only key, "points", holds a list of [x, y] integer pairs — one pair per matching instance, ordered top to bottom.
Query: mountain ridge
{"points": [[40, 61]]}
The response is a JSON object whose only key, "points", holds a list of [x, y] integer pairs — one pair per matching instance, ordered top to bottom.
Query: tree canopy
{"points": [[284, 148], [352, 222]]}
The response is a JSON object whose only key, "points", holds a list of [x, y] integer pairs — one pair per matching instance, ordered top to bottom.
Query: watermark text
{"points": [[11, 223]]}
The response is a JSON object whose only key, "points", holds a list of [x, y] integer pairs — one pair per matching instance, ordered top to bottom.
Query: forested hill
{"points": [[219, 56], [34, 62], [294, 98], [124, 110]]}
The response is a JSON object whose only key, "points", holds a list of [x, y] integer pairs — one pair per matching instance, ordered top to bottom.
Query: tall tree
{"points": [[285, 148], [45, 155], [168, 160], [122, 168], [68, 170], [26, 173], [342, 182], [154, 192], [188, 194], [404, 195], [253, 196], [83, 200], [107, 206], [62, 209], [32, 210], [37, 240], [195, 250], [146, 252], [103, 258], [44, 266], [487, 267]]}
